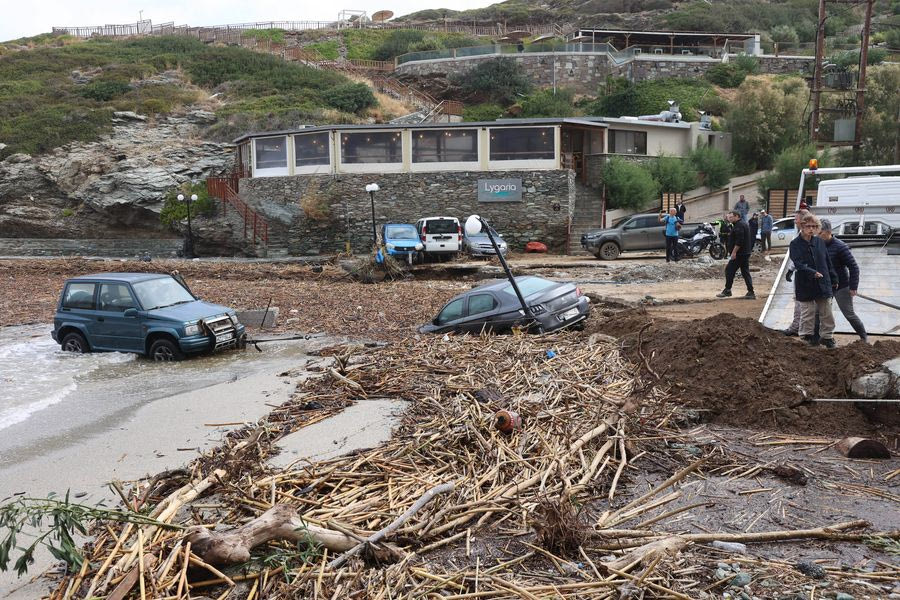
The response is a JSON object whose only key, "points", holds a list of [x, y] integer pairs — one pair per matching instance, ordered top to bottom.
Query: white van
{"points": [[862, 205], [440, 235]]}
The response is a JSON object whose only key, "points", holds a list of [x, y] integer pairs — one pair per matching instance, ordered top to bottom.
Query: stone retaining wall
{"points": [[584, 73], [543, 213]]}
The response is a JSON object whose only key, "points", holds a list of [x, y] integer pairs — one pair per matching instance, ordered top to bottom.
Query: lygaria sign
{"points": [[499, 190]]}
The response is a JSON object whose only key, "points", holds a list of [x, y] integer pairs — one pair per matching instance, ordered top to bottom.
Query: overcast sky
{"points": [[24, 18]]}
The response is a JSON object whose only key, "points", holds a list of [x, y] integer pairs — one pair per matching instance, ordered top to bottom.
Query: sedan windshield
{"points": [[402, 232], [157, 293]]}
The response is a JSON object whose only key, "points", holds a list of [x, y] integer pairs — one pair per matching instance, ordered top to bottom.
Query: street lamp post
{"points": [[372, 188], [474, 225], [189, 242]]}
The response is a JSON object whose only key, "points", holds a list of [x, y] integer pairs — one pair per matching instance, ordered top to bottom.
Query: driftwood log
{"points": [[280, 522]]}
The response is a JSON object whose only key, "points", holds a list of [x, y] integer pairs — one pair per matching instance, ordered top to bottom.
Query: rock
{"points": [[129, 114], [2, 147], [17, 158], [873, 385], [811, 570], [740, 580], [843, 596]]}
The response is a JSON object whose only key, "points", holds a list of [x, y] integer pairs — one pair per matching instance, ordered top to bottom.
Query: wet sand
{"points": [[145, 441]]}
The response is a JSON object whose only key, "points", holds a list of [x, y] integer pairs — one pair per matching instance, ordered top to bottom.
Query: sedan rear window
{"points": [[441, 226], [529, 286]]}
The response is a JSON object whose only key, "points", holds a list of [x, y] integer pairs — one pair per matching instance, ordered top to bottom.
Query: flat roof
{"points": [[665, 33], [584, 122]]}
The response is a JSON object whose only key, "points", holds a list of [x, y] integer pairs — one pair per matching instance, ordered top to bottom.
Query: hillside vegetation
{"points": [[66, 90]]}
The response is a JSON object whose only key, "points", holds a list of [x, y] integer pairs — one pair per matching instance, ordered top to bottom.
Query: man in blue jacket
{"points": [[848, 277], [815, 281]]}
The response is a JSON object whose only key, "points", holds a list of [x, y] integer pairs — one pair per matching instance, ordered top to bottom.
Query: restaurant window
{"points": [[627, 142], [522, 143], [445, 145], [372, 147], [311, 149], [271, 153]]}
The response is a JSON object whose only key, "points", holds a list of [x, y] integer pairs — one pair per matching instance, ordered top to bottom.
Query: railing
{"points": [[221, 32], [617, 56], [405, 93], [225, 189]]}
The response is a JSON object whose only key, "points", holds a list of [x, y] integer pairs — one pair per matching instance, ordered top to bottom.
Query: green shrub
{"points": [[273, 35], [785, 35], [397, 42], [328, 49], [850, 58], [748, 64], [726, 75], [500, 81], [104, 91], [350, 97], [651, 97], [545, 103], [713, 105], [482, 112], [715, 166], [785, 172], [673, 175], [628, 185], [174, 211], [67, 212]]}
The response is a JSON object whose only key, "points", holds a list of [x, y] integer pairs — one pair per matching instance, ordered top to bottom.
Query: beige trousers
{"points": [[808, 318]]}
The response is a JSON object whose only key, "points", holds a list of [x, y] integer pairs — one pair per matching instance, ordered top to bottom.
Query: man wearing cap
{"points": [[848, 277], [815, 282]]}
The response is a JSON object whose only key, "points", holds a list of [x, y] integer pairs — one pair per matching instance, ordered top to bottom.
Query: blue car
{"points": [[401, 240], [148, 313]]}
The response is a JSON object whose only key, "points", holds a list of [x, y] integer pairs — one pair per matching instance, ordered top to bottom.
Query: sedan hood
{"points": [[189, 311]]}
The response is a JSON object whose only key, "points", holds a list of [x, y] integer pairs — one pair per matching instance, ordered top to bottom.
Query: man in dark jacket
{"points": [[753, 223], [739, 247], [848, 277], [815, 282]]}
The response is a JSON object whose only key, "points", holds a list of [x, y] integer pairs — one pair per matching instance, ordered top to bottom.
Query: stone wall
{"points": [[584, 73], [543, 213]]}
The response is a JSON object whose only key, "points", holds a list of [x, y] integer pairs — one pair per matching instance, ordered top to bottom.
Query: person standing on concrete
{"points": [[743, 208], [680, 210], [766, 223], [673, 225], [739, 247], [848, 277], [815, 282], [794, 328]]}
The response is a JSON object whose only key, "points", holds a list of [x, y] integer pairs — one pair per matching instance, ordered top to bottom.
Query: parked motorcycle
{"points": [[704, 237]]}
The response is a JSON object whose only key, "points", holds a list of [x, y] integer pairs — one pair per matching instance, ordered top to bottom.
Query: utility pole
{"points": [[817, 73], [861, 82]]}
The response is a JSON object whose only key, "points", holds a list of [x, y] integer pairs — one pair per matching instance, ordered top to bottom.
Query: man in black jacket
{"points": [[739, 247], [815, 280]]}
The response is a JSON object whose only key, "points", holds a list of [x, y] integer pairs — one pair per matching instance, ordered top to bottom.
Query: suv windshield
{"points": [[441, 226], [400, 232], [157, 293]]}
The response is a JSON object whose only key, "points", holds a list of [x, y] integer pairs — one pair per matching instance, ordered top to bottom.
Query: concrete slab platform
{"points": [[366, 424]]}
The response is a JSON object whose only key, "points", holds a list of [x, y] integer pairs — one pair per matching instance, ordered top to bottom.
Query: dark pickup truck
{"points": [[638, 232]]}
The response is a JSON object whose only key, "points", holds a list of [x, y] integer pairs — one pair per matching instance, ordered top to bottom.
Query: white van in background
{"points": [[441, 236]]}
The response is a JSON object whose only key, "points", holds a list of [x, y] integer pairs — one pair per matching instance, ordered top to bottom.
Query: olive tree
{"points": [[628, 185]]}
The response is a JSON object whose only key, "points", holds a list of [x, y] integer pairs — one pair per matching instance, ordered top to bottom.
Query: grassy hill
{"points": [[62, 90]]}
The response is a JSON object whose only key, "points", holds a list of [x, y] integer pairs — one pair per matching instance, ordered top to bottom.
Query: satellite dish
{"points": [[382, 15], [473, 225]]}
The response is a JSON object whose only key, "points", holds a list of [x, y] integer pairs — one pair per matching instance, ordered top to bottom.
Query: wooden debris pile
{"points": [[449, 508]]}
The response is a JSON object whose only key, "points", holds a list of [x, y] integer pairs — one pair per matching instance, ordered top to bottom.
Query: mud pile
{"points": [[738, 372]]}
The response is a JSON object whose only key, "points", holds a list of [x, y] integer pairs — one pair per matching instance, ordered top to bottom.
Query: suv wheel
{"points": [[608, 251], [75, 342], [163, 350]]}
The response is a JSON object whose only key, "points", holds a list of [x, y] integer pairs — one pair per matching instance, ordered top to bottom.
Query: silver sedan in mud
{"points": [[495, 307]]}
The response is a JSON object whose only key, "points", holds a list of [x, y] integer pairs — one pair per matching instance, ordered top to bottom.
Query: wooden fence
{"points": [[783, 203]]}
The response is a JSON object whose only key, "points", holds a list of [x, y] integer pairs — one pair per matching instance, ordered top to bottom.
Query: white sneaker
{"points": [[768, 258]]}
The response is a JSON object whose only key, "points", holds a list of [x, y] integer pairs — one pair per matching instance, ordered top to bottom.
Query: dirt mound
{"points": [[744, 374]]}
